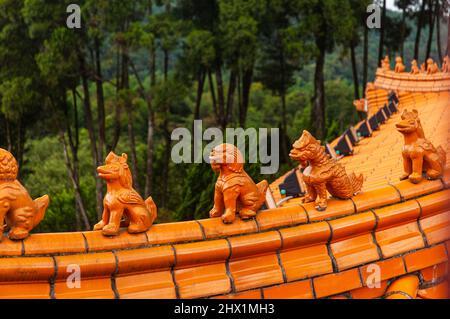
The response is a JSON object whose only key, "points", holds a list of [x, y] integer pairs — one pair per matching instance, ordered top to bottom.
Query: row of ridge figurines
{"points": [[430, 67], [235, 192]]}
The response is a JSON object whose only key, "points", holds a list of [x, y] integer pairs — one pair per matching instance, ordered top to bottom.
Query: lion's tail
{"points": [[356, 182], [262, 188], [41, 205], [151, 206]]}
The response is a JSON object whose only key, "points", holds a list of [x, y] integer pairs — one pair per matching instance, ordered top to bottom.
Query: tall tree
{"points": [[420, 18]]}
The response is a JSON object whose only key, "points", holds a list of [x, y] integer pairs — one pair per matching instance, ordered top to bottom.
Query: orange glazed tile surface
{"points": [[408, 190], [376, 198], [435, 203], [336, 207], [397, 214], [283, 216], [352, 225], [214, 227], [436, 228], [174, 232], [305, 235], [399, 239], [96, 241], [38, 244], [248, 245], [10, 247], [354, 251], [202, 252], [425, 258], [145, 259], [306, 262], [90, 265], [26, 269], [386, 269], [256, 272], [435, 272], [202, 281], [334, 284], [153, 285], [95, 288], [403, 288], [18, 290], [293, 290], [439, 291], [370, 293], [252, 294]]}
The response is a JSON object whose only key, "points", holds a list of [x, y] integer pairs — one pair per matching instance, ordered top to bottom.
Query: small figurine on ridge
{"points": [[446, 65], [399, 66], [414, 67], [432, 67], [419, 155], [321, 173], [235, 191], [122, 200], [17, 209]]}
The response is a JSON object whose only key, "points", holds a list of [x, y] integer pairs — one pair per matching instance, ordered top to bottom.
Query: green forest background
{"points": [[138, 69]]}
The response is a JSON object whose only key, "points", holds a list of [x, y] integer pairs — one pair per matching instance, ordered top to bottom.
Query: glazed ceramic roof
{"points": [[293, 251]]}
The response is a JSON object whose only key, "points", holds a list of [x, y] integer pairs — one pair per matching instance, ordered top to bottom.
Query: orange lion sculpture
{"points": [[446, 65], [399, 66], [414, 67], [432, 67], [419, 154], [322, 173], [235, 191], [122, 200], [20, 212]]}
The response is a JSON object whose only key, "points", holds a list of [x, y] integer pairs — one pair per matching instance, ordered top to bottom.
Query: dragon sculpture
{"points": [[419, 155], [321, 173], [235, 191], [122, 200], [17, 209]]}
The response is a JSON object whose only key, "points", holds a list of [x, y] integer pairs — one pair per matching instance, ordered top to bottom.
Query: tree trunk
{"points": [[431, 22], [419, 30], [438, 30], [402, 34], [381, 44], [365, 59], [354, 70], [247, 79], [200, 85], [212, 90], [220, 97], [230, 97], [100, 100], [318, 111], [130, 126], [150, 127], [92, 136]]}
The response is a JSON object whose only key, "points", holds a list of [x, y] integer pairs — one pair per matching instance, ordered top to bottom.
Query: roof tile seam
{"points": [[402, 199], [355, 209], [308, 219], [419, 226], [258, 227], [202, 229], [374, 237], [86, 244], [329, 250], [403, 255], [280, 263], [227, 268], [172, 273], [113, 276], [53, 279], [432, 283], [313, 289], [261, 291], [397, 292]]}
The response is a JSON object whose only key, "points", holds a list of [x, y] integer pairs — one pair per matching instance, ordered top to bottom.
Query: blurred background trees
{"points": [[138, 69]]}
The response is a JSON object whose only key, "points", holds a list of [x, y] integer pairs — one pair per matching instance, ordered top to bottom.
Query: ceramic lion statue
{"points": [[446, 65], [399, 66], [414, 67], [432, 67], [419, 155], [321, 173], [235, 192], [121, 200], [17, 209]]}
